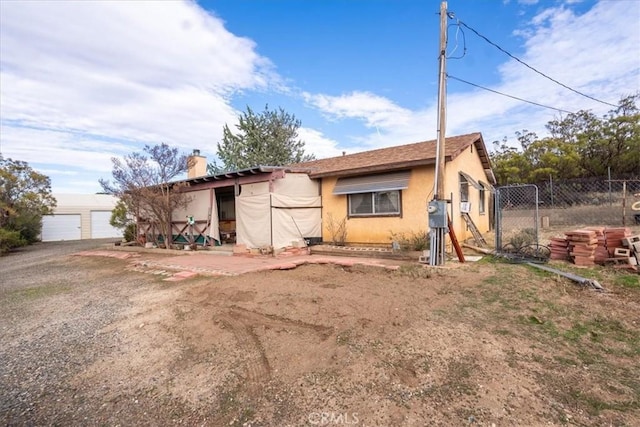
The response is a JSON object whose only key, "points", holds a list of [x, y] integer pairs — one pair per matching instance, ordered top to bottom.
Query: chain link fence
{"points": [[589, 202], [527, 216], [517, 219]]}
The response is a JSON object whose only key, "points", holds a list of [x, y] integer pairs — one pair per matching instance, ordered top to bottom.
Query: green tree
{"points": [[268, 138], [612, 141], [618, 142], [580, 145], [509, 165], [143, 182], [25, 196], [121, 218]]}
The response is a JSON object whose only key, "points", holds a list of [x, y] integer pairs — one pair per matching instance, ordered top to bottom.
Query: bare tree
{"points": [[143, 181]]}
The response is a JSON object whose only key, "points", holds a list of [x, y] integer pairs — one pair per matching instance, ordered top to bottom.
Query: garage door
{"points": [[61, 227], [100, 227]]}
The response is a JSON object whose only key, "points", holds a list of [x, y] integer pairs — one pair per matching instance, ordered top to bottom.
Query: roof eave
{"points": [[378, 168]]}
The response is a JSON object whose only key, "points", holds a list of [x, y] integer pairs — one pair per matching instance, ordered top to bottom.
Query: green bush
{"points": [[121, 219], [29, 225], [130, 232], [10, 240]]}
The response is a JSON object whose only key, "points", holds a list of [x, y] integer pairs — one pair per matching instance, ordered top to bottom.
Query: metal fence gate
{"points": [[517, 223]]}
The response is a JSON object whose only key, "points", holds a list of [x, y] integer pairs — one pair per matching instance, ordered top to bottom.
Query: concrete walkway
{"points": [[188, 265]]}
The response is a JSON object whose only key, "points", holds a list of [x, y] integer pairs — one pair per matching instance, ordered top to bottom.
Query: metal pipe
{"points": [[609, 173], [537, 219], [578, 279]]}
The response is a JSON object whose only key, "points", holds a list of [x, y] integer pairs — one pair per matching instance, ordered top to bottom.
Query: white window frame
{"points": [[464, 188], [482, 200], [373, 204]]}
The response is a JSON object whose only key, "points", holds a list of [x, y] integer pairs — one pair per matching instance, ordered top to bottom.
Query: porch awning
{"points": [[471, 181], [371, 183], [486, 186]]}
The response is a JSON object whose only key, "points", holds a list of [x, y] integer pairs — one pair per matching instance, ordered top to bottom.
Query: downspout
{"points": [[321, 211]]}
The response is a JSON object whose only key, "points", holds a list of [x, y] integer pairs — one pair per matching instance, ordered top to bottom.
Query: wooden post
{"points": [[442, 105], [454, 240], [436, 243]]}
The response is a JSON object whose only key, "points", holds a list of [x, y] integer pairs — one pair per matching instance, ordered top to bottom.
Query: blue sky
{"points": [[82, 82]]}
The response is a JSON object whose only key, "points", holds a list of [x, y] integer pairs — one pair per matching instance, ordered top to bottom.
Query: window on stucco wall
{"points": [[464, 189], [482, 201], [378, 203]]}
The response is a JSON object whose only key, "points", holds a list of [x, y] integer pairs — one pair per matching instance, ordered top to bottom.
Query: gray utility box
{"points": [[437, 214]]}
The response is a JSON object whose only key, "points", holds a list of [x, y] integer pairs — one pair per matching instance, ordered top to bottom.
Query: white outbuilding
{"points": [[80, 216]]}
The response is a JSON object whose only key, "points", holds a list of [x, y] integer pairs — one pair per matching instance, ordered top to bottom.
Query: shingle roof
{"points": [[394, 158]]}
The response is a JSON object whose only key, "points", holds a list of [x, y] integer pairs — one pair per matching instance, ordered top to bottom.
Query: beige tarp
{"points": [[294, 218], [276, 220], [253, 222], [214, 228]]}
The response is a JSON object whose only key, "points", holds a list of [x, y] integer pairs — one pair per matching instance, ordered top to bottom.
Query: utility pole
{"points": [[442, 105], [437, 208]]}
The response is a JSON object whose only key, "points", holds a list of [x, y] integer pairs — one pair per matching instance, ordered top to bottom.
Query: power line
{"points": [[459, 30], [533, 69], [508, 96]]}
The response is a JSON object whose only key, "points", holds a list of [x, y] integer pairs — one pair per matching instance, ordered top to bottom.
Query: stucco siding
{"points": [[468, 162], [414, 218], [379, 229]]}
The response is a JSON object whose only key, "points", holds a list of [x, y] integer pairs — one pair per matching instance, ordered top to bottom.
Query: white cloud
{"points": [[149, 72], [374, 110], [388, 123], [318, 144], [63, 149]]}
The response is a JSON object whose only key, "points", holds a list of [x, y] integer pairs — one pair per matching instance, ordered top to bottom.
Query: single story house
{"points": [[385, 192], [376, 194], [80, 216]]}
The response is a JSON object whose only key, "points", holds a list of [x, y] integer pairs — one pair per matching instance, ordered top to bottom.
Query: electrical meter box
{"points": [[437, 210]]}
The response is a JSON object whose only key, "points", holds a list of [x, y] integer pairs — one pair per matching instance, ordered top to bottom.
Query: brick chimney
{"points": [[197, 165]]}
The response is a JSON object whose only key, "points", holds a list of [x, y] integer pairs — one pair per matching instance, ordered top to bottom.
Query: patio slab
{"points": [[188, 265], [236, 265]]}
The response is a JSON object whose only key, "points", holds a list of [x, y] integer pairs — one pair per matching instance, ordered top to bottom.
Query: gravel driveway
{"points": [[40, 253], [55, 308]]}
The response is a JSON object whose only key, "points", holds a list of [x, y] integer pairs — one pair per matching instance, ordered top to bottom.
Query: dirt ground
{"points": [[93, 341]]}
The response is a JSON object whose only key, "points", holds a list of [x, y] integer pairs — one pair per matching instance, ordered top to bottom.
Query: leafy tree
{"points": [[268, 138], [612, 141], [618, 142], [579, 145], [509, 165], [142, 181], [25, 196], [121, 218]]}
